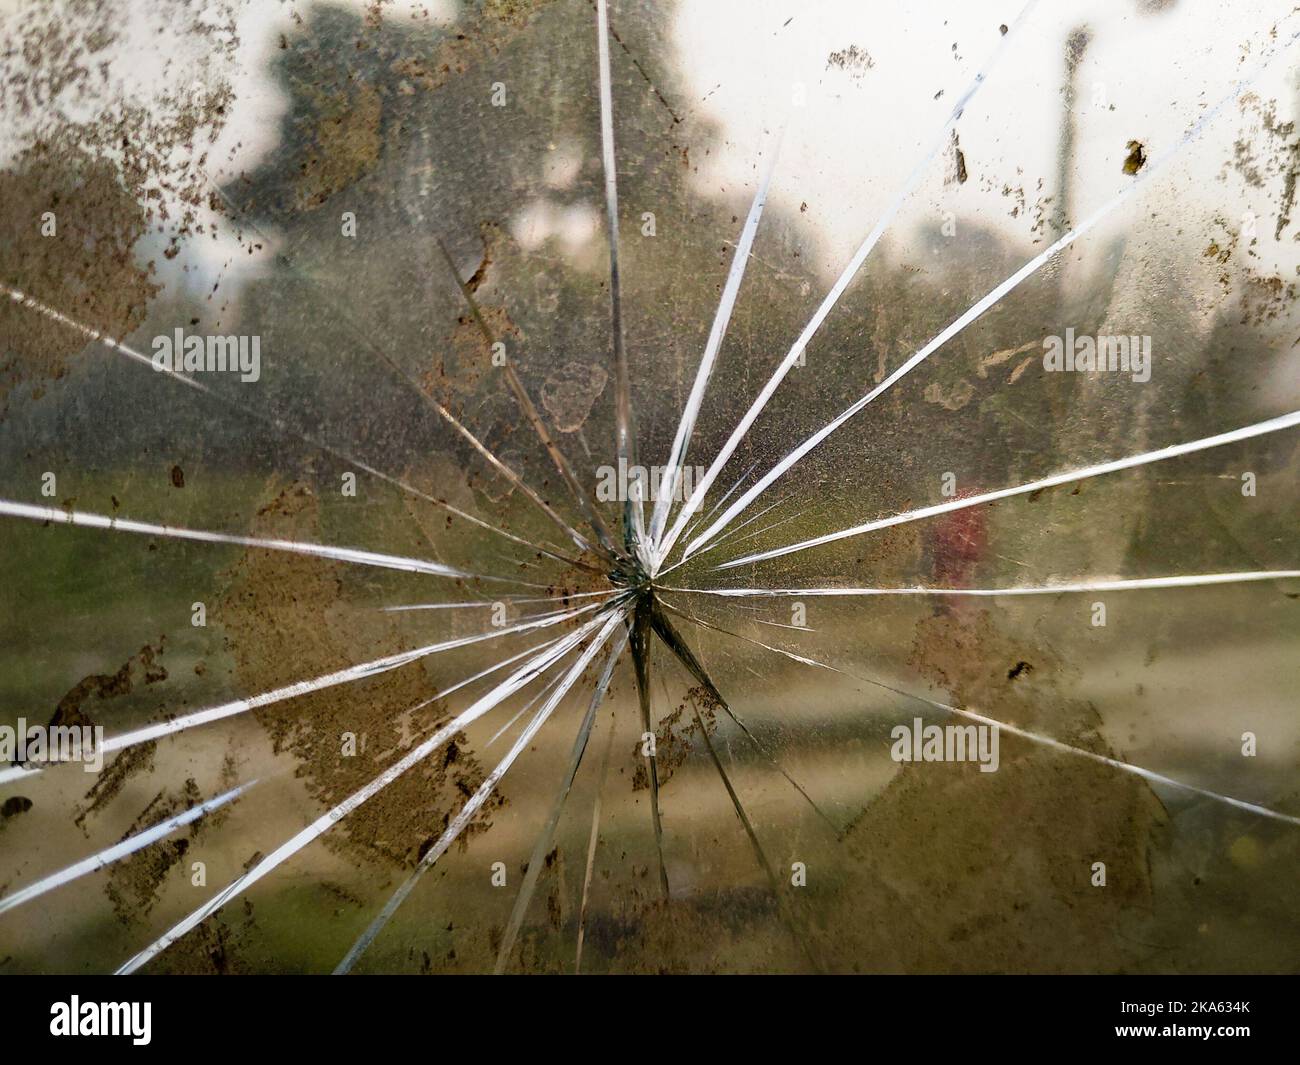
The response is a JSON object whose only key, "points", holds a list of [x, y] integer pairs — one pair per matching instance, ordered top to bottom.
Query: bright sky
{"points": [[862, 127], [861, 131]]}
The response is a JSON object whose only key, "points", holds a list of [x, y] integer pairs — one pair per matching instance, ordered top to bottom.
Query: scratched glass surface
{"points": [[875, 552]]}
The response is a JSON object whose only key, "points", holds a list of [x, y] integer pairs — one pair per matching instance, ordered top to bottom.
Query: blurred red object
{"points": [[957, 541]]}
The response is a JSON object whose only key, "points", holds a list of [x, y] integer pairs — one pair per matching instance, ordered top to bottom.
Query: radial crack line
{"points": [[833, 296], [974, 312], [430, 400], [691, 411], [534, 417], [278, 424], [1247, 432], [514, 478], [85, 519], [699, 520], [764, 531], [634, 533], [731, 536], [1190, 580], [484, 604], [641, 623], [534, 649], [695, 667], [518, 679], [546, 690], [291, 691], [1033, 737], [736, 805], [471, 808], [544, 839], [592, 841], [120, 850], [783, 904]]}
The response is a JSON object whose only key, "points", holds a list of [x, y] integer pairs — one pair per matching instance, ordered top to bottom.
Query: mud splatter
{"points": [[853, 60], [346, 140], [1274, 152], [1136, 158], [957, 171], [80, 192], [85, 266], [1266, 299], [459, 370], [571, 391], [953, 398], [292, 610], [141, 668], [675, 737], [109, 784], [15, 805], [981, 857], [135, 881], [216, 946]]}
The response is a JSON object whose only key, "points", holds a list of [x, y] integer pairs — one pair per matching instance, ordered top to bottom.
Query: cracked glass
{"points": [[621, 487]]}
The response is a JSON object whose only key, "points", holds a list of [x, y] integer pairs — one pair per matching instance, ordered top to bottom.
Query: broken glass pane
{"points": [[719, 488]]}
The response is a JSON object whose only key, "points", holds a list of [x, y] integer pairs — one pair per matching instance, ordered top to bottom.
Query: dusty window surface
{"points": [[550, 485]]}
